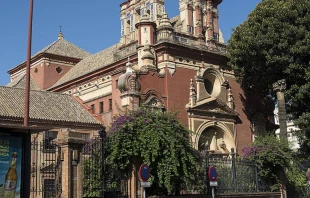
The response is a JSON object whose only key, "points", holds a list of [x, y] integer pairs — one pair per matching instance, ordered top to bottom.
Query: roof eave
{"points": [[40, 124]]}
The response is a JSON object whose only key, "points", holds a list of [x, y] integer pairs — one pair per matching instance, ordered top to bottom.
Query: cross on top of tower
{"points": [[60, 35]]}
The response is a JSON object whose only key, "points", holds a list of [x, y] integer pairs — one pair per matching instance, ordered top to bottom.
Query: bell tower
{"points": [[132, 12], [200, 18]]}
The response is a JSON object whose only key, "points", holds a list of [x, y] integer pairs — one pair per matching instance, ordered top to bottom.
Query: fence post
{"points": [[103, 136], [207, 147], [233, 156], [256, 178]]}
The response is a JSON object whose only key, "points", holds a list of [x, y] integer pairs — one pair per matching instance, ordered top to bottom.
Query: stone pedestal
{"points": [[71, 145]]}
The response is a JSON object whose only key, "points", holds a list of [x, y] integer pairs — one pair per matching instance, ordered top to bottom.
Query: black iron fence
{"points": [[46, 167], [234, 175], [237, 175], [100, 178]]}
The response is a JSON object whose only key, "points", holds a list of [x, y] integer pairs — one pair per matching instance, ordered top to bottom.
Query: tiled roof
{"points": [[64, 48], [97, 61], [90, 64], [21, 81], [45, 107]]}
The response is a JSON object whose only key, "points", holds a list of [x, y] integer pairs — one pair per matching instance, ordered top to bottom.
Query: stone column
{"points": [[198, 19], [209, 22], [279, 87], [71, 145]]}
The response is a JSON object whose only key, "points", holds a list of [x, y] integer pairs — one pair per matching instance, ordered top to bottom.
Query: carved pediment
{"points": [[212, 107]]}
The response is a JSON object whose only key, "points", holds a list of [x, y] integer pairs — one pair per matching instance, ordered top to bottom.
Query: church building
{"points": [[173, 64]]}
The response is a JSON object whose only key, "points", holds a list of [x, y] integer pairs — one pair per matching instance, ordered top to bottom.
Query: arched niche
{"points": [[217, 135]]}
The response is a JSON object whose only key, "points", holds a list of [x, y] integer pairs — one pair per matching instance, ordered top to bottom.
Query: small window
{"points": [[190, 29], [36, 70], [59, 70], [116, 84], [110, 104], [101, 107], [92, 108], [86, 136], [48, 144]]}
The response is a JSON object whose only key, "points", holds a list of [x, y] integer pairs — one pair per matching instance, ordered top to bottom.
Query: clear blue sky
{"points": [[90, 24]]}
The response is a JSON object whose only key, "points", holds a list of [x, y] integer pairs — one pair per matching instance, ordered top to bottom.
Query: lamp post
{"points": [[27, 86], [103, 136], [27, 137]]}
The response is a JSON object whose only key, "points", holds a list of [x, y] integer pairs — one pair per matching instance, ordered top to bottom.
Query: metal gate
{"points": [[46, 167], [101, 178]]}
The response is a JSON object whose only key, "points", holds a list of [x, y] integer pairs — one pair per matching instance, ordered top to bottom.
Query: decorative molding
{"points": [[88, 87]]}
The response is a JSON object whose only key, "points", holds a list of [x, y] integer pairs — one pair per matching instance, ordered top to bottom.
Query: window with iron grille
{"points": [[48, 144], [49, 188]]}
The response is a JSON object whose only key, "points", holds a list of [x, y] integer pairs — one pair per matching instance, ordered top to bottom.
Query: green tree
{"points": [[272, 44], [158, 139], [272, 155]]}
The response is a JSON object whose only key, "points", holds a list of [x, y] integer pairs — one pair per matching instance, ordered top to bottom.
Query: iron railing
{"points": [[46, 169], [237, 175], [113, 183]]}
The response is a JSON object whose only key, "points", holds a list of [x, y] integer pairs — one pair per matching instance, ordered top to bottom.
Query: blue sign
{"points": [[144, 172], [212, 173]]}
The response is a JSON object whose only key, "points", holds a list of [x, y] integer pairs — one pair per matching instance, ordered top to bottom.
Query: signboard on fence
{"points": [[10, 166]]}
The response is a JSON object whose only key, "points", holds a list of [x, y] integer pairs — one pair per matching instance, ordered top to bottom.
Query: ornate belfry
{"points": [[200, 19], [211, 112]]}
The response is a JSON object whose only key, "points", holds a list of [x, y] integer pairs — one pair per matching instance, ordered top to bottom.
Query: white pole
{"points": [[213, 195], [144, 196]]}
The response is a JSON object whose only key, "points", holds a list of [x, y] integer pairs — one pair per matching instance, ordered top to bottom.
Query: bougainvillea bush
{"points": [[158, 139], [273, 156]]}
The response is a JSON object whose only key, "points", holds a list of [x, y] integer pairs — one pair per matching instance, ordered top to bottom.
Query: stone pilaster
{"points": [[279, 87], [72, 171]]}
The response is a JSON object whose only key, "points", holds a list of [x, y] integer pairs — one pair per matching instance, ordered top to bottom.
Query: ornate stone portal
{"points": [[211, 112]]}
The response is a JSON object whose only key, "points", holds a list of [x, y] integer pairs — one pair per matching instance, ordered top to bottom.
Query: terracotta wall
{"points": [[47, 75], [175, 88], [244, 133]]}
